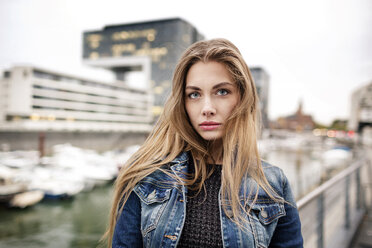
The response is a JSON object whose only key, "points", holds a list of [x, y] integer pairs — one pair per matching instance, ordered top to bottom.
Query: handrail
{"points": [[319, 190], [318, 210]]}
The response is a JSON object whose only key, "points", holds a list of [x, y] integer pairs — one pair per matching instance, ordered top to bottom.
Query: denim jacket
{"points": [[154, 214]]}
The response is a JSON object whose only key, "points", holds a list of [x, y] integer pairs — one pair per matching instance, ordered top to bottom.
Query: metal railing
{"points": [[331, 213]]}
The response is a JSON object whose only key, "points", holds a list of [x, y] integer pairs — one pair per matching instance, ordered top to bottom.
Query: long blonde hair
{"points": [[173, 133]]}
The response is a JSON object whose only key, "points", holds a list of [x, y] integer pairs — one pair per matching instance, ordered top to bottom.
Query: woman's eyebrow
{"points": [[222, 84], [192, 87], [214, 87]]}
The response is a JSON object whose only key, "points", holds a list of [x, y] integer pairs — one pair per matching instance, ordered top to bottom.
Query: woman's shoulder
{"points": [[163, 173], [273, 173], [274, 176], [278, 180], [159, 183], [154, 187]]}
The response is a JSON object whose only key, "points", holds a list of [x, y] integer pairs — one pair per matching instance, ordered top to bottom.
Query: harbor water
{"points": [[77, 222]]}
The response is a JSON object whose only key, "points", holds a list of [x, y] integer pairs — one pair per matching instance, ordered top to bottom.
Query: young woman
{"points": [[198, 180]]}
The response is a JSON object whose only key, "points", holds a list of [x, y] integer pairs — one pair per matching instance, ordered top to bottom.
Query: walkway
{"points": [[363, 237]]}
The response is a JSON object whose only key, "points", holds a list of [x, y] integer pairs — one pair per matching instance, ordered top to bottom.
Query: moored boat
{"points": [[26, 199]]}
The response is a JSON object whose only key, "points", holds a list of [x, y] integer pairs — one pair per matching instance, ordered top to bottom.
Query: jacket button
{"points": [[152, 195], [229, 213], [264, 213]]}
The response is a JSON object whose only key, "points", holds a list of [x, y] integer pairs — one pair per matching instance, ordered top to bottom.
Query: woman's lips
{"points": [[209, 125]]}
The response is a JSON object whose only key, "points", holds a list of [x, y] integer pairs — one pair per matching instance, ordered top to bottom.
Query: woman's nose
{"points": [[208, 108]]}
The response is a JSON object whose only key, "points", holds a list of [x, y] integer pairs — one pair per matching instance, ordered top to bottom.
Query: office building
{"points": [[151, 47], [261, 79], [35, 100], [361, 108]]}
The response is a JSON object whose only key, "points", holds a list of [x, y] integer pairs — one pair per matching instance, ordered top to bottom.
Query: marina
{"points": [[26, 179]]}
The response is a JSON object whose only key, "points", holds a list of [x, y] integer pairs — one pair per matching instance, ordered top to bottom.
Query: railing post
{"points": [[358, 189], [347, 204], [320, 220]]}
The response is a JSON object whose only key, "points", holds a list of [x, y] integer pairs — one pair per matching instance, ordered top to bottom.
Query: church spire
{"points": [[299, 110]]}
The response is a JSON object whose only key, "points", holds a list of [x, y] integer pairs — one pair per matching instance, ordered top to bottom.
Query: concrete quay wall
{"points": [[97, 141]]}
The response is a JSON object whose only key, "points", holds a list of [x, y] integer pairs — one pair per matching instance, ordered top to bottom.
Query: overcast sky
{"points": [[318, 51]]}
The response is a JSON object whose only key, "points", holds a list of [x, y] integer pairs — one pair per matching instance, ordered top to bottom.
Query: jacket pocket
{"points": [[153, 202], [267, 213], [264, 218]]}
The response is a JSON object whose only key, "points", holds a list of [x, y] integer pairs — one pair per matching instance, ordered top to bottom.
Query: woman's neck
{"points": [[216, 151]]}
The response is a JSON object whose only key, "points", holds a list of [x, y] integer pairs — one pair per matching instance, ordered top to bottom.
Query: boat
{"points": [[336, 157], [8, 191], [18, 195], [26, 199]]}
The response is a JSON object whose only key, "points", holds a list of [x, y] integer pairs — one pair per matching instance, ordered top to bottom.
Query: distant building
{"points": [[152, 47], [261, 79], [38, 99], [35, 100], [361, 108], [296, 122]]}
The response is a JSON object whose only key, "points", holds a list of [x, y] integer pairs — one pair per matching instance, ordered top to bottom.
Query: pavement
{"points": [[363, 236]]}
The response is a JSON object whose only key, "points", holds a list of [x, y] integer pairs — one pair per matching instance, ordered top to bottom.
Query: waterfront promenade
{"points": [[337, 213], [363, 236]]}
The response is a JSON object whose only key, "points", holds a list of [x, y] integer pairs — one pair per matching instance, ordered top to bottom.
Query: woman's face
{"points": [[210, 96]]}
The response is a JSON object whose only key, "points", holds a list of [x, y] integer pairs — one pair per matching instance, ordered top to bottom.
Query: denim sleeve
{"points": [[288, 230], [127, 231]]}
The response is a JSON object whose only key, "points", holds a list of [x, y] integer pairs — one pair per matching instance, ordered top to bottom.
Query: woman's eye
{"points": [[222, 92], [193, 95]]}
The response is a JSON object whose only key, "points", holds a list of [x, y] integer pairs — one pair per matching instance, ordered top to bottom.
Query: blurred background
{"points": [[82, 83]]}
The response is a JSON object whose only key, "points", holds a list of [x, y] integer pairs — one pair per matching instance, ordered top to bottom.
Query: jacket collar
{"points": [[179, 165]]}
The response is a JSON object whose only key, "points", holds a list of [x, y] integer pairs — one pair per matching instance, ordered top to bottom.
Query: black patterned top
{"points": [[202, 226]]}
